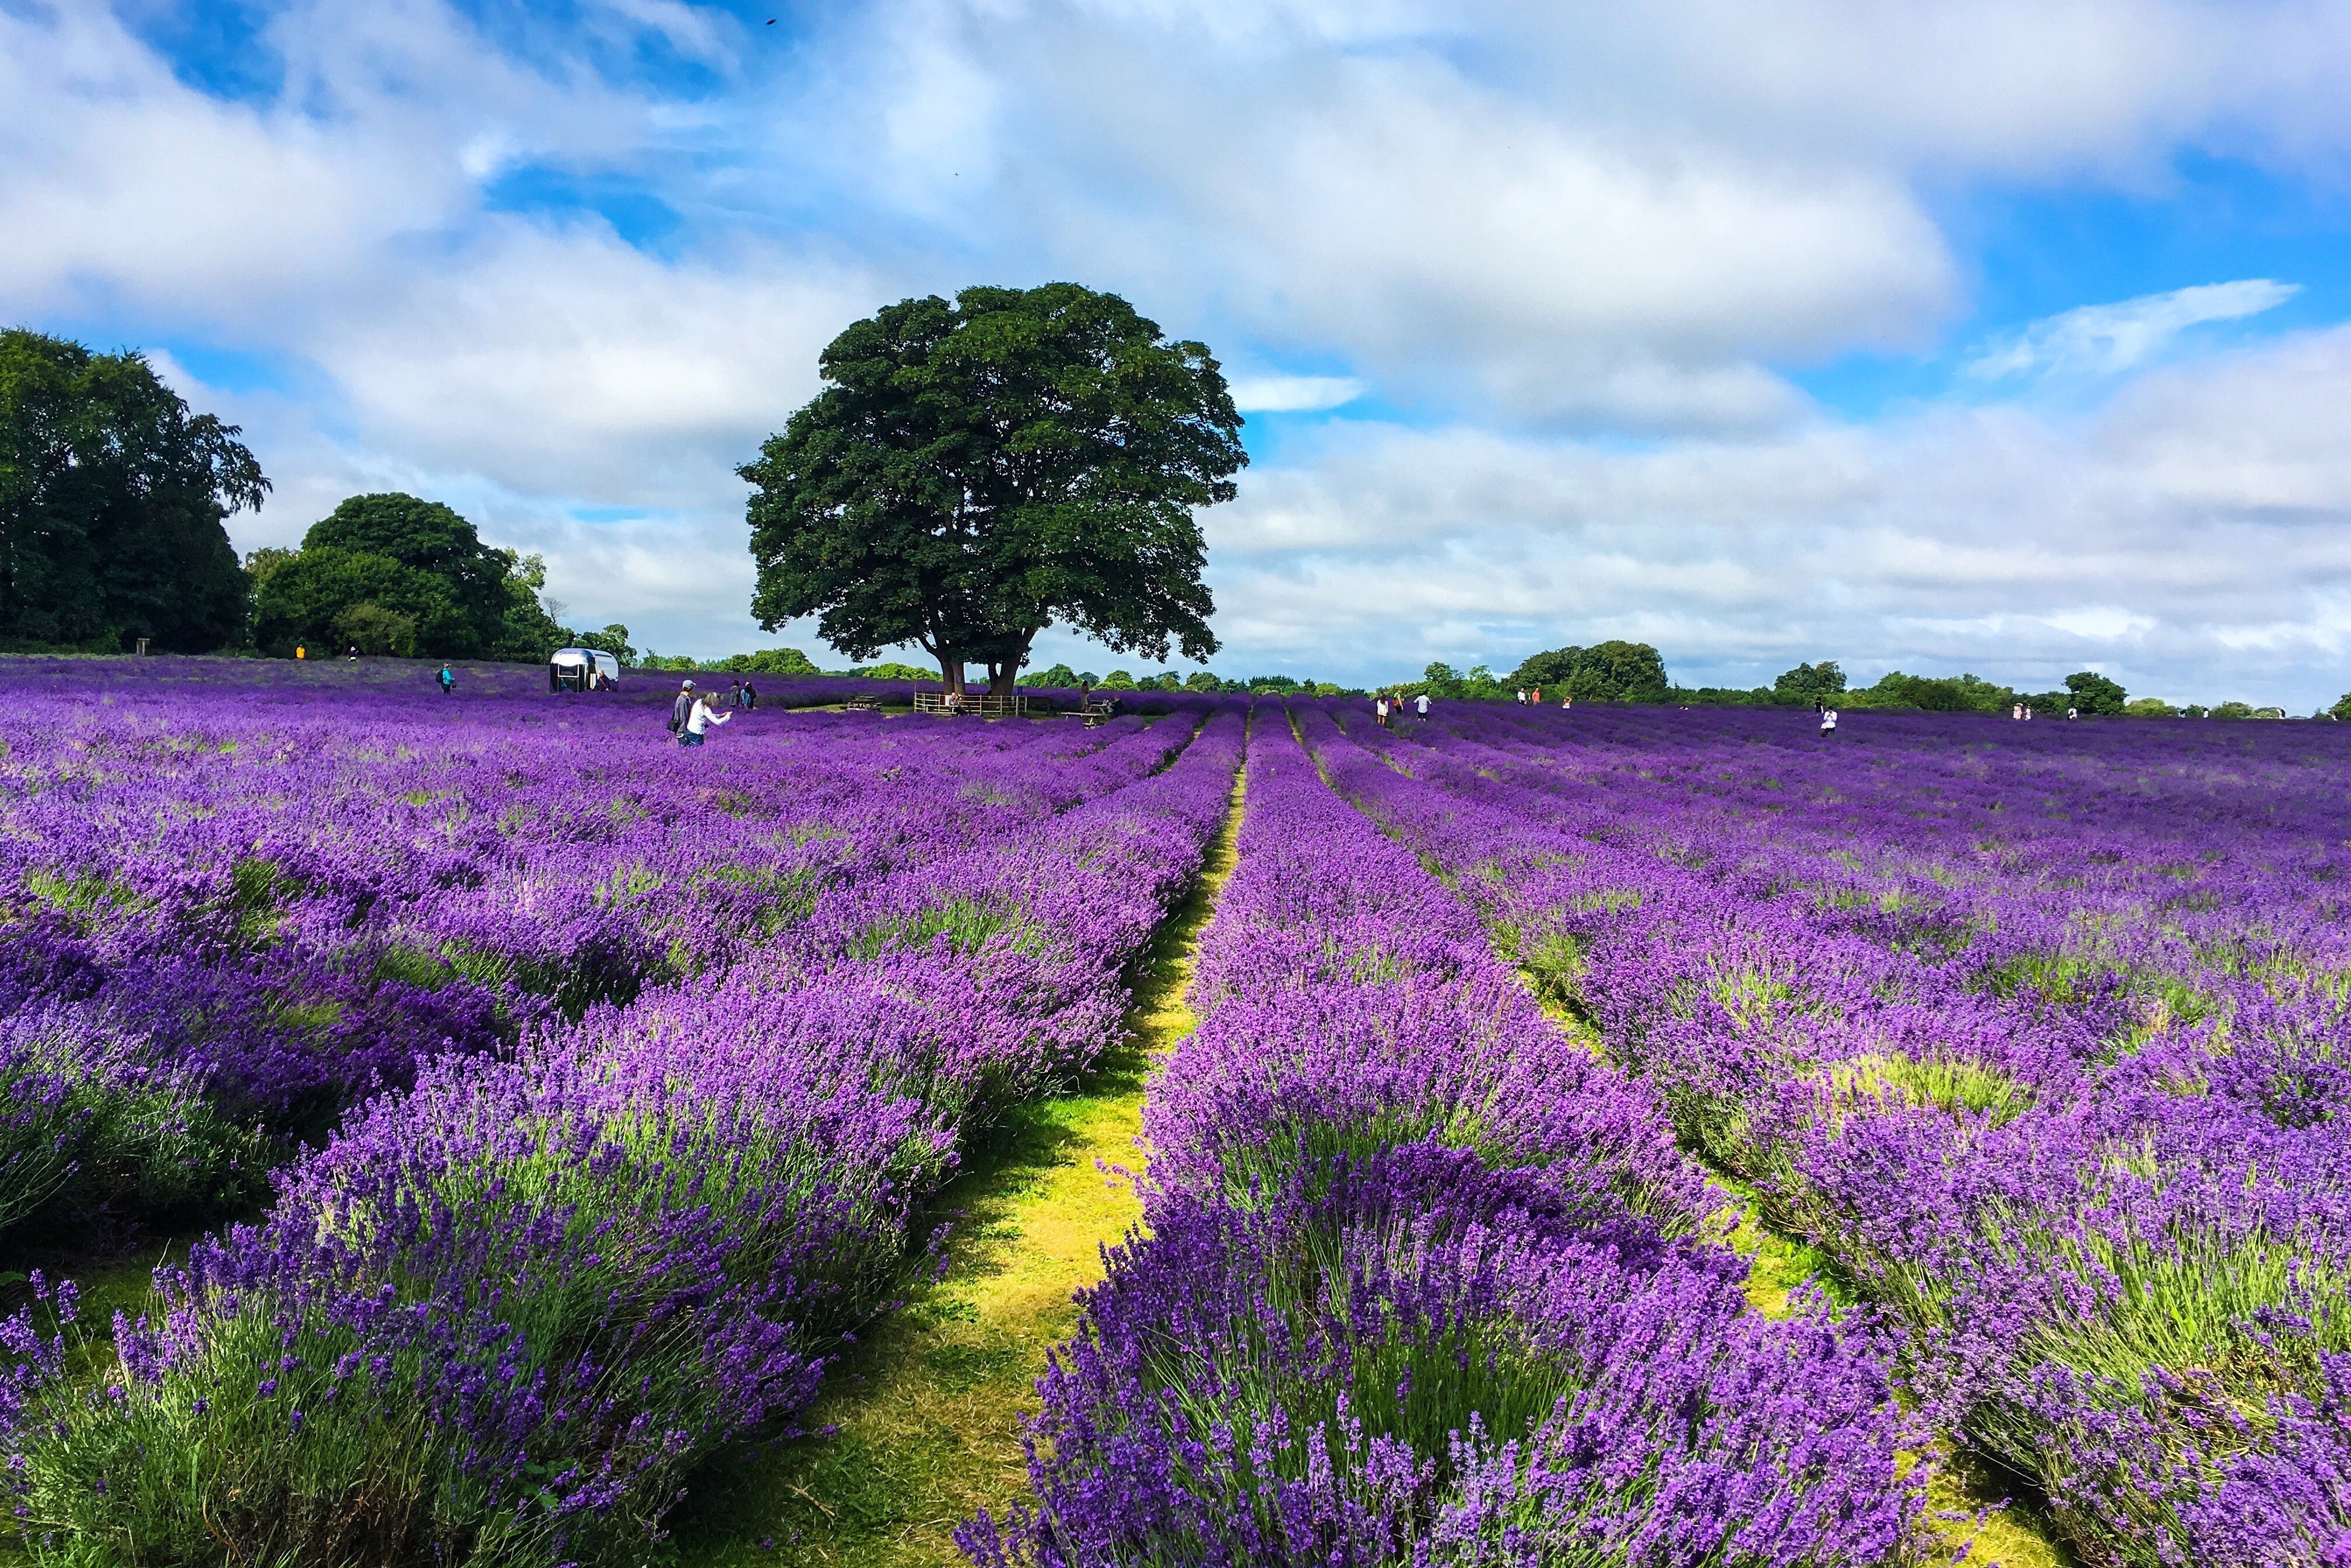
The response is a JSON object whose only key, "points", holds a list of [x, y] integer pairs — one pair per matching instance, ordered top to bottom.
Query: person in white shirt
{"points": [[1421, 703], [1828, 721], [698, 722]]}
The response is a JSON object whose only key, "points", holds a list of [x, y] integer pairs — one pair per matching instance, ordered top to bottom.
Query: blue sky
{"points": [[2009, 337]]}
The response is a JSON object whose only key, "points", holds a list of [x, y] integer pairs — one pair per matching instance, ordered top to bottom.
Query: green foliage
{"points": [[978, 471], [113, 499], [389, 559], [373, 629], [613, 639], [788, 661], [1611, 671], [895, 673], [1058, 675], [1118, 681], [1202, 681], [1444, 683], [1806, 683], [1936, 693], [2093, 694], [1730, 697], [2149, 707], [2342, 709], [2232, 710], [80, 1134], [205, 1464]]}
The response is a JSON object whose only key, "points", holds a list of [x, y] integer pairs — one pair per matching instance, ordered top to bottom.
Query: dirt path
{"points": [[928, 1412]]}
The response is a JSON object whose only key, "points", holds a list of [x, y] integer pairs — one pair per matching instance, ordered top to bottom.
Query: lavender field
{"points": [[550, 1112]]}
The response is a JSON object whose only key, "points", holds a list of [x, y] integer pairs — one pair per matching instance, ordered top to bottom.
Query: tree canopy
{"points": [[974, 472], [113, 502], [395, 574], [1610, 672], [1810, 682], [2094, 694]]}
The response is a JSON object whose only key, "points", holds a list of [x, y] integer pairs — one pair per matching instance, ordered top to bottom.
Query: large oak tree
{"points": [[974, 472], [113, 500]]}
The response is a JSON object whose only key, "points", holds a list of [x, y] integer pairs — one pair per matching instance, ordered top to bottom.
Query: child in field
{"points": [[448, 679]]}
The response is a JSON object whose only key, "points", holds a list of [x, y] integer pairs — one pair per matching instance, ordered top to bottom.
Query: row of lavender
{"points": [[225, 913], [2041, 1043], [1425, 1283], [500, 1317]]}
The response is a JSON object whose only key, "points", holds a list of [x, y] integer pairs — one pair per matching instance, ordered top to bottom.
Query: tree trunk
{"points": [[951, 671], [1004, 675]]}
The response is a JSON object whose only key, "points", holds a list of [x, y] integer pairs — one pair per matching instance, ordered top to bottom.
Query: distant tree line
{"points": [[114, 501]]}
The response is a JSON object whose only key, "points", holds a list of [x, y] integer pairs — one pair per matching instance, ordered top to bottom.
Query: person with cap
{"points": [[681, 709]]}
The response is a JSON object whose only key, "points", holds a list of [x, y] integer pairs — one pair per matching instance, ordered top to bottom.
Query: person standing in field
{"points": [[448, 679], [750, 695], [1420, 704], [1380, 708], [681, 709], [698, 720], [1828, 722]]}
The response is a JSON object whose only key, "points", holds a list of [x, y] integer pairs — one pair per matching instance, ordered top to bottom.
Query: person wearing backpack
{"points": [[681, 710]]}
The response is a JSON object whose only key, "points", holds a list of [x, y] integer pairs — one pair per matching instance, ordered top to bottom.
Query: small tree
{"points": [[974, 473], [415, 559], [613, 639], [1610, 672], [1202, 682], [1809, 682], [2091, 693], [2342, 709]]}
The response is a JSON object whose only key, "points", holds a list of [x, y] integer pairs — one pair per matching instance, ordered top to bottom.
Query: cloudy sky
{"points": [[2012, 338]]}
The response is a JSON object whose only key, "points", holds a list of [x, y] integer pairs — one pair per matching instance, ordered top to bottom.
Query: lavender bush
{"points": [[2034, 1033], [1425, 1283], [502, 1313]]}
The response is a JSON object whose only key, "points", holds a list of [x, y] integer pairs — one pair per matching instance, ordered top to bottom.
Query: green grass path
{"points": [[929, 1408]]}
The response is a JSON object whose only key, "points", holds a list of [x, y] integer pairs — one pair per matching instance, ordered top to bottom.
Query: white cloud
{"points": [[1579, 247], [2105, 339], [1294, 394], [2017, 545]]}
